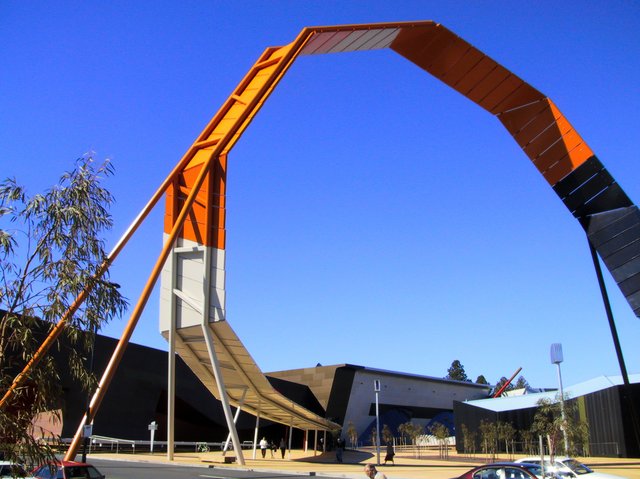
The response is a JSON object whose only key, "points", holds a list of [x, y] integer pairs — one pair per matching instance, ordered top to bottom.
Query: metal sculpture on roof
{"points": [[547, 138], [192, 261]]}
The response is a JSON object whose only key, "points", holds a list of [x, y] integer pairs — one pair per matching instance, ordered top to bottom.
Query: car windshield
{"points": [[576, 467], [533, 469], [12, 470], [74, 472]]}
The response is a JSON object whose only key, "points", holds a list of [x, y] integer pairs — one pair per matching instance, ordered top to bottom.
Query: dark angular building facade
{"points": [[610, 409]]}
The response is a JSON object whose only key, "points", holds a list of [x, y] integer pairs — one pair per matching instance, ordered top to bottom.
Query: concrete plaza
{"points": [[408, 464]]}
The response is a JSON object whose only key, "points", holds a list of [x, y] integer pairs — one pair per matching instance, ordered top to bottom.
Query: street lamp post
{"points": [[556, 358], [376, 388]]}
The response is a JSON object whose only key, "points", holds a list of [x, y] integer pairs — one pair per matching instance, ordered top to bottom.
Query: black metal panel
{"points": [[577, 177], [588, 190], [610, 199], [603, 227], [620, 241], [622, 256], [625, 271], [631, 285], [634, 302], [341, 392], [298, 393], [606, 423]]}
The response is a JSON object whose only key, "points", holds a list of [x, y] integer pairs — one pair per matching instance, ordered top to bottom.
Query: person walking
{"points": [[263, 447], [283, 447], [390, 454]]}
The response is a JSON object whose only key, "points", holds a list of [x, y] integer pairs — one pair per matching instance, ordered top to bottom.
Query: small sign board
{"points": [[87, 430]]}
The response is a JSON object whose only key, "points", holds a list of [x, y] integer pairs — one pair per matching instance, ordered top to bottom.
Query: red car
{"points": [[67, 470], [504, 470]]}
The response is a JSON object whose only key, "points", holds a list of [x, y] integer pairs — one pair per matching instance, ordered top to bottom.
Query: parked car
{"points": [[565, 467], [11, 470], [67, 470], [504, 470]]}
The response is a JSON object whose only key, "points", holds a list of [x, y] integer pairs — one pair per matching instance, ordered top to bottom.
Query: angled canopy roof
{"points": [[245, 383]]}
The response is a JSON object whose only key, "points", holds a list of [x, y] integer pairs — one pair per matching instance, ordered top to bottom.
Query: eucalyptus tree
{"points": [[51, 249], [549, 423], [441, 433], [352, 434], [387, 435], [469, 439]]}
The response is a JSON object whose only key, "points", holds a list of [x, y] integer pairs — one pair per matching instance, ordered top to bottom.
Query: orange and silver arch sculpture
{"points": [[193, 279]]}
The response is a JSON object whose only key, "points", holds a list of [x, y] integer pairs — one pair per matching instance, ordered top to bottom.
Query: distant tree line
{"points": [[457, 373]]}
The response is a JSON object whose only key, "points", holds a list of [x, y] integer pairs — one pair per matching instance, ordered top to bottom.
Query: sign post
{"points": [[376, 388], [152, 428]]}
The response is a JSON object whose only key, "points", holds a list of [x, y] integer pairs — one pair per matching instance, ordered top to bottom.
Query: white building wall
{"points": [[189, 280], [408, 391]]}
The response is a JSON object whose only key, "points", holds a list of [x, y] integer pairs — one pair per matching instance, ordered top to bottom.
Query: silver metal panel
{"points": [[375, 39], [323, 42], [347, 42]]}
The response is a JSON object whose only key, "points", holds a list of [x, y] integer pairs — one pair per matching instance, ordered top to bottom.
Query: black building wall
{"points": [[138, 395], [612, 416]]}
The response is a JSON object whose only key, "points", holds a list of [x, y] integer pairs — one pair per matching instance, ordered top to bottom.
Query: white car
{"points": [[564, 467], [9, 470]]}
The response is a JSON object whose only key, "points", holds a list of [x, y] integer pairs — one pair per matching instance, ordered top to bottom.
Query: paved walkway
{"points": [[407, 465]]}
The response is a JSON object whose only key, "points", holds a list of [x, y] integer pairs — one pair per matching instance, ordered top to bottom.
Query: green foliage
{"points": [[50, 250], [456, 372], [481, 380], [521, 383], [548, 423], [411, 430], [441, 433], [352, 434], [506, 434], [387, 435], [489, 438], [469, 439], [529, 441]]}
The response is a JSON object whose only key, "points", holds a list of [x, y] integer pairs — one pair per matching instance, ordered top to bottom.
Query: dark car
{"points": [[67, 470], [504, 470]]}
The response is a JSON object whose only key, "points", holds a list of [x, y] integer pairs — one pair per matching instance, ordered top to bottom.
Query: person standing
{"points": [[263, 446], [283, 447], [339, 449], [372, 473]]}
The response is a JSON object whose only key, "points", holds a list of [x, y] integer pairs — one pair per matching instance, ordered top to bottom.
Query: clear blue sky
{"points": [[375, 217]]}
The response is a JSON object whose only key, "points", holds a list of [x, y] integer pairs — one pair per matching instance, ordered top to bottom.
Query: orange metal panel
{"points": [[409, 40], [431, 43], [448, 57], [468, 61], [474, 76], [488, 84], [507, 88], [523, 95], [515, 120], [537, 125], [547, 138], [559, 151], [575, 158]]}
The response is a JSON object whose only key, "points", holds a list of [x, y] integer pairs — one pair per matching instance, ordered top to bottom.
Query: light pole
{"points": [[556, 358], [376, 388]]}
